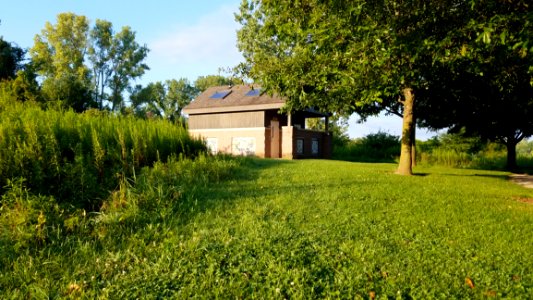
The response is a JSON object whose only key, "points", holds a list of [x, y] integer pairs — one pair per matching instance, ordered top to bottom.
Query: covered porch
{"points": [[299, 140]]}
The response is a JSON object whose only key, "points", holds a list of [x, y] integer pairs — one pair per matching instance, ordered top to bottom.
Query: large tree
{"points": [[65, 53], [100, 53], [346, 56], [362, 56], [59, 57], [501, 57], [116, 59], [127, 64], [488, 89], [492, 100]]}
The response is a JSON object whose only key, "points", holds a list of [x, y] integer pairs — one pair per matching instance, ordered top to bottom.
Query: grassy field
{"points": [[218, 227]]}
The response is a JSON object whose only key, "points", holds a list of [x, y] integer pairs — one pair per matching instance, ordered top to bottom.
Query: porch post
{"points": [[289, 119], [327, 124]]}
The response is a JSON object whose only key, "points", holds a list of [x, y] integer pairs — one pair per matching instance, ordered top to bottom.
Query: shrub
{"points": [[377, 147]]}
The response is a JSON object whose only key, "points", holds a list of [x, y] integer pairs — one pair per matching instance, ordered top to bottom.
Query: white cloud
{"points": [[211, 40]]}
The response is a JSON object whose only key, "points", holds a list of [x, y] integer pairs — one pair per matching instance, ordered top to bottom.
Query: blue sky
{"points": [[186, 39]]}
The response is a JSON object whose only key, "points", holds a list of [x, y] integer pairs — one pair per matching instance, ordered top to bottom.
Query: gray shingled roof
{"points": [[236, 100]]}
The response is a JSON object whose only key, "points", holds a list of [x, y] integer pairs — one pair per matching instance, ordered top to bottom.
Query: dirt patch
{"points": [[523, 180], [524, 200]]}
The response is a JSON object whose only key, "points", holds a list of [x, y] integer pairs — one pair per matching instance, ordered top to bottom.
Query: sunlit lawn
{"points": [[304, 229]]}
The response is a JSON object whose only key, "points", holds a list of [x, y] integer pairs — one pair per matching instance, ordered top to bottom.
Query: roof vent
{"points": [[220, 94]]}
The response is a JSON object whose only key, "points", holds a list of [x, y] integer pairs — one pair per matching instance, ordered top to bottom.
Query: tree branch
{"points": [[393, 112]]}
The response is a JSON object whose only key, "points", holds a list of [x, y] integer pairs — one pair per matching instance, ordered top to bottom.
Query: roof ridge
{"points": [[237, 98]]}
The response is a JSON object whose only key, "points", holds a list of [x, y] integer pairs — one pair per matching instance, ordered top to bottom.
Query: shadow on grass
{"points": [[365, 159], [519, 170], [527, 171], [421, 174], [493, 176], [502, 177], [227, 191]]}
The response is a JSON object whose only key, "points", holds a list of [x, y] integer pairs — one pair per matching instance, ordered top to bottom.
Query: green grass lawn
{"points": [[296, 229]]}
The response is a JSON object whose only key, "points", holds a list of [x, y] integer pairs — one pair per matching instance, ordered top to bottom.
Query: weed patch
{"points": [[79, 158]]}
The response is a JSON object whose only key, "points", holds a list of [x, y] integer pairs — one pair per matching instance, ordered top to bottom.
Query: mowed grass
{"points": [[300, 229]]}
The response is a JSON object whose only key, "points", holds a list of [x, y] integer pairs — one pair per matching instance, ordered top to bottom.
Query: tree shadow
{"points": [[365, 159], [525, 168], [418, 174], [492, 176], [227, 191]]}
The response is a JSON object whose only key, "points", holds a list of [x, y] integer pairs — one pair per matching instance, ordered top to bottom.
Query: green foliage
{"points": [[60, 56], [354, 56], [11, 58], [467, 63], [126, 64], [204, 82], [25, 86], [491, 99], [165, 100], [338, 126], [458, 143], [377, 147], [525, 147], [449, 150], [457, 150], [446, 157], [79, 158], [163, 190], [23, 217], [225, 228]]}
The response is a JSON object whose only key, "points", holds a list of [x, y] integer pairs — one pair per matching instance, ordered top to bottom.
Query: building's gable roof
{"points": [[232, 99]]}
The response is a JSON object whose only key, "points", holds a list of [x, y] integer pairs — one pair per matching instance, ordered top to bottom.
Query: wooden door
{"points": [[274, 139]]}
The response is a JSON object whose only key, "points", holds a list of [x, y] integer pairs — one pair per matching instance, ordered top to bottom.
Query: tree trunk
{"points": [[102, 94], [413, 145], [511, 156], [405, 166]]}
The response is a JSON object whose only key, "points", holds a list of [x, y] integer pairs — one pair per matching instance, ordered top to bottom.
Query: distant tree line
{"points": [[73, 65], [167, 99]]}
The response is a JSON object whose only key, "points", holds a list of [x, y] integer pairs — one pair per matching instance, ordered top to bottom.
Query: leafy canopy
{"points": [[59, 56], [343, 56], [84, 67], [165, 100]]}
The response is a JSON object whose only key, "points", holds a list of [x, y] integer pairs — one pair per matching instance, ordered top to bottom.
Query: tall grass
{"points": [[449, 150], [488, 156], [446, 157], [79, 158], [36, 229]]}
